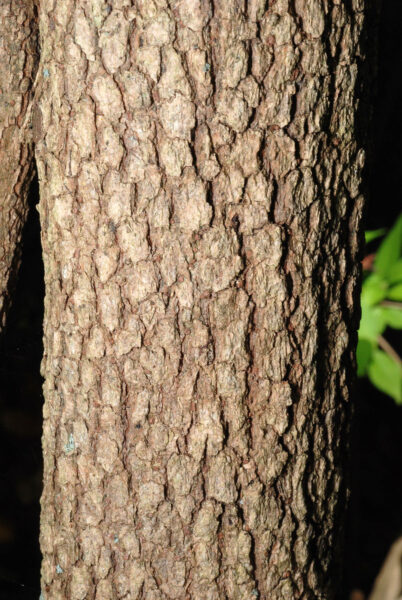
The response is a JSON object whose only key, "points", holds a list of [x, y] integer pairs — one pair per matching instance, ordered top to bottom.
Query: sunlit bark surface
{"points": [[18, 62], [200, 212]]}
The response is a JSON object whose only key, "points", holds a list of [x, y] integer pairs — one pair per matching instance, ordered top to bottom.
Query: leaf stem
{"points": [[391, 304], [386, 346]]}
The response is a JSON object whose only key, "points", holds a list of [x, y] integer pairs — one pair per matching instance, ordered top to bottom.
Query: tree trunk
{"points": [[18, 62], [200, 209]]}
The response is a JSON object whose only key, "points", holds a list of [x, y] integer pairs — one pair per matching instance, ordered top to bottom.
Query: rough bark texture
{"points": [[18, 62], [200, 212]]}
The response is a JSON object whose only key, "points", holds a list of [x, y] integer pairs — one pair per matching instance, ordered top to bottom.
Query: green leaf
{"points": [[374, 234], [390, 250], [395, 272], [374, 289], [395, 293], [392, 317], [372, 323], [364, 351], [386, 375]]}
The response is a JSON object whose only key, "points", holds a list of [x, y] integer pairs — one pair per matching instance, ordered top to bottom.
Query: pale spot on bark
{"points": [[255, 9], [62, 12], [193, 13], [312, 14], [282, 27], [159, 30], [84, 34], [113, 41], [148, 59], [262, 59], [235, 65], [200, 71], [71, 77], [173, 79], [136, 89], [250, 90], [108, 97], [276, 108], [233, 109], [178, 117], [83, 127], [110, 146], [245, 152], [140, 154], [174, 155], [279, 155], [206, 159], [299, 184], [149, 187], [89, 188], [258, 191], [117, 196], [190, 206], [62, 209], [158, 212], [132, 238], [265, 245], [106, 263], [142, 282], [185, 293], [109, 305], [151, 311], [129, 337], [73, 343], [95, 347], [153, 362], [111, 387], [139, 405], [276, 413], [81, 435], [106, 452], [66, 471], [181, 471], [220, 479], [117, 489], [150, 495], [92, 540], [206, 548], [103, 566], [171, 572], [137, 576], [80, 581], [104, 590]]}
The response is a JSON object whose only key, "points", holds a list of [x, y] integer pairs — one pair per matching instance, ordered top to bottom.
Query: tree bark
{"points": [[18, 63], [199, 173]]}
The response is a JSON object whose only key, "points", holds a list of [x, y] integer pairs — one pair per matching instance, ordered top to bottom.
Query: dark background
{"points": [[375, 513]]}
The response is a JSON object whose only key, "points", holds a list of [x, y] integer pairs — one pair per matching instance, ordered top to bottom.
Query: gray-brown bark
{"points": [[18, 62], [200, 211]]}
